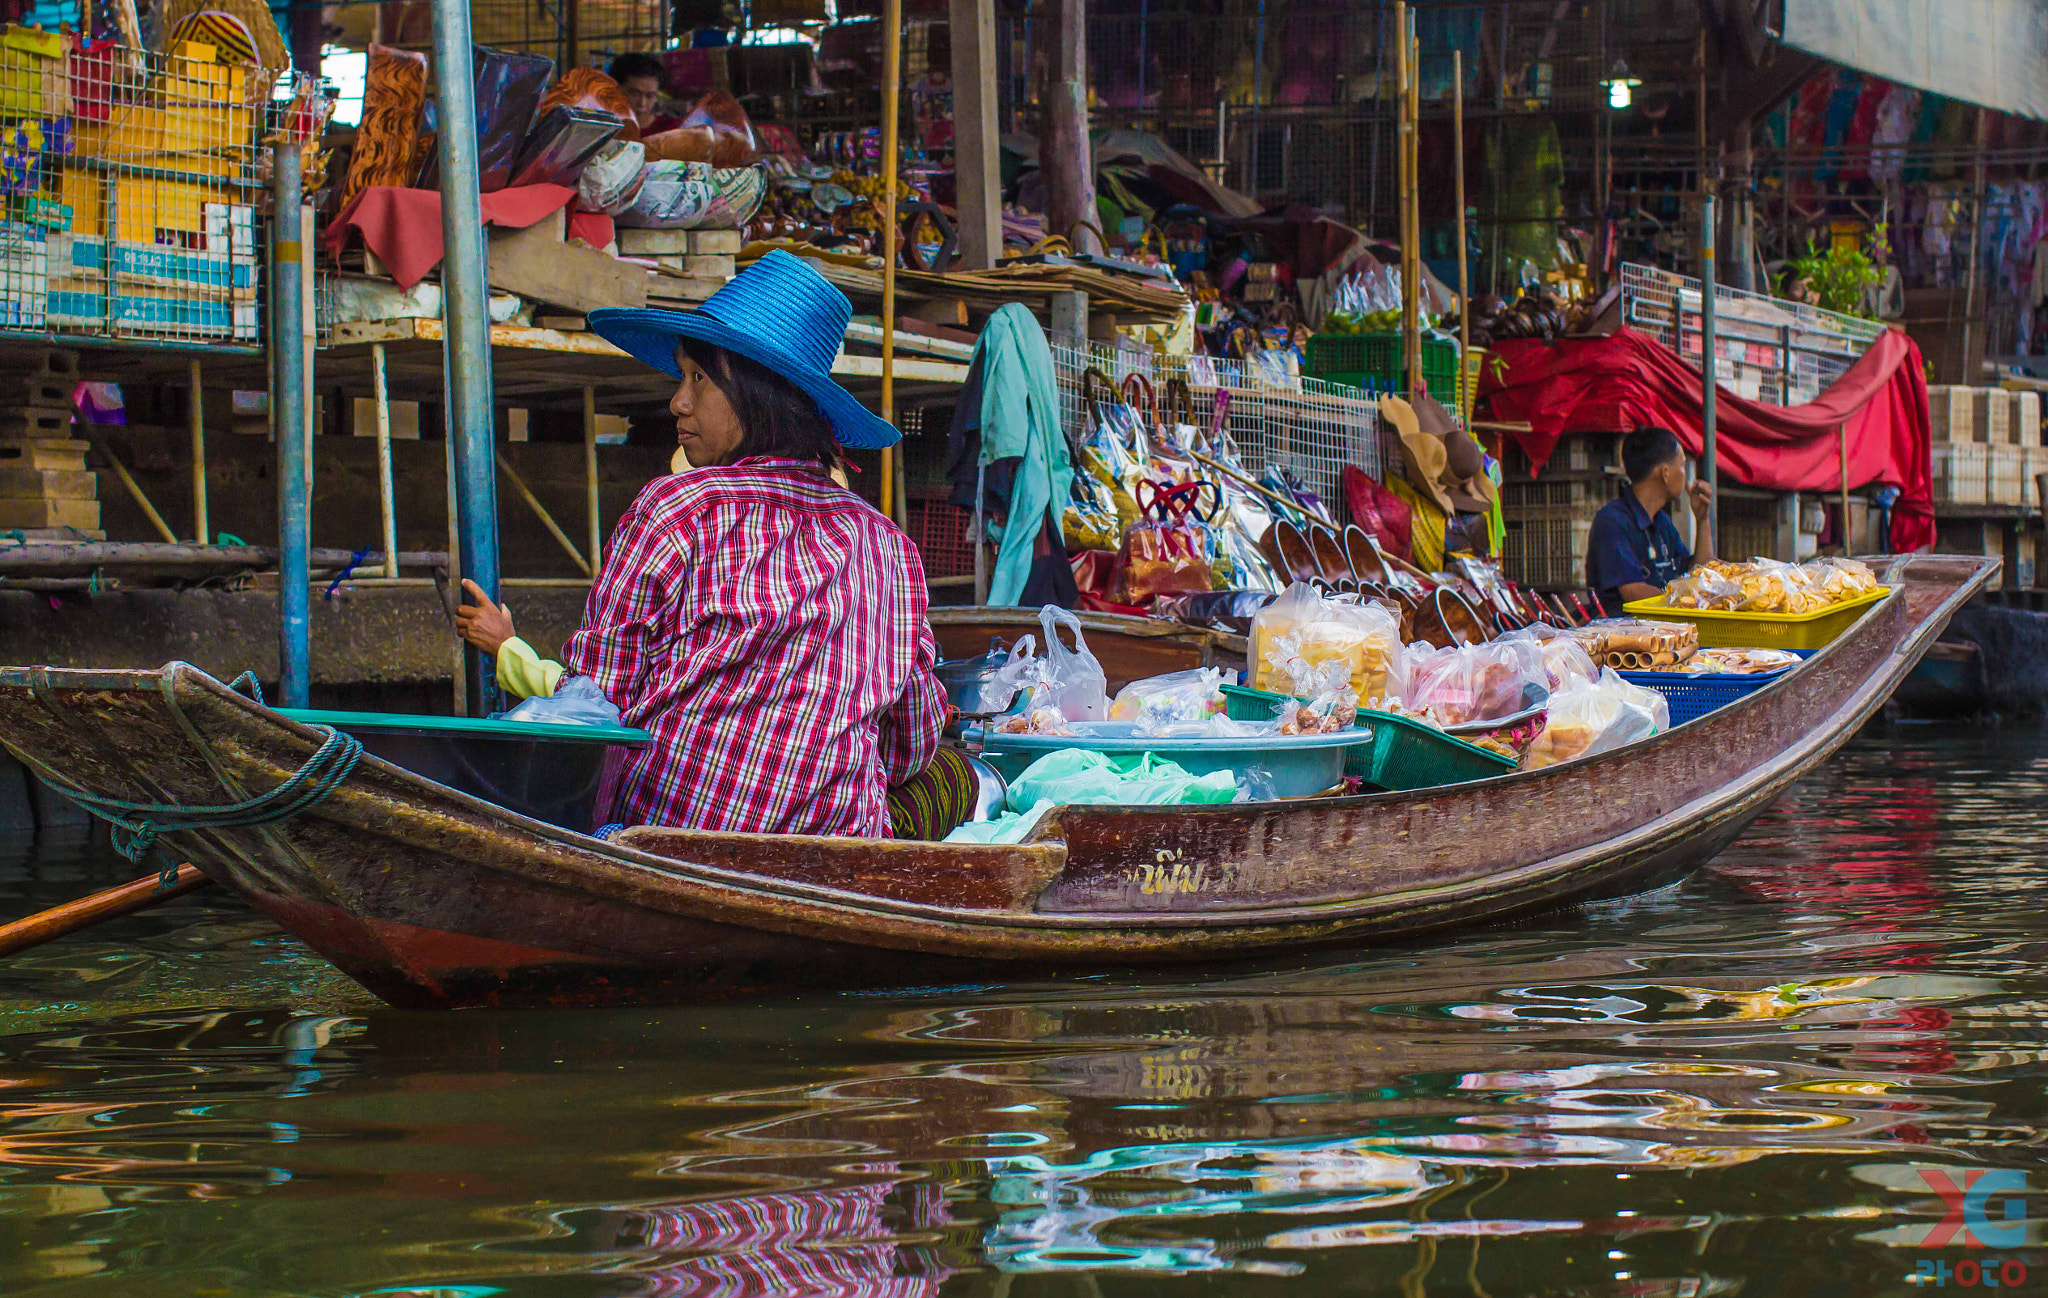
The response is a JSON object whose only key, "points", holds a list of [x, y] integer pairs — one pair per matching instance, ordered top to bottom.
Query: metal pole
{"points": [[892, 93], [1404, 133], [466, 344], [1708, 379], [1466, 383], [287, 422], [590, 477], [387, 510], [200, 524]]}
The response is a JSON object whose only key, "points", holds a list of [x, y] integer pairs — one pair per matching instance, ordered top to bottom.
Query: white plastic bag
{"points": [[1565, 660], [1024, 670], [1079, 689], [576, 702], [1597, 717]]}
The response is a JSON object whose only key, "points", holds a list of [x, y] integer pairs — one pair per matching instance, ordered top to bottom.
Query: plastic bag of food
{"points": [[1841, 579], [1705, 588], [1299, 623], [1565, 659], [1023, 670], [1075, 680], [1466, 683], [577, 701], [1156, 701], [1323, 702], [1597, 717], [1038, 719]]}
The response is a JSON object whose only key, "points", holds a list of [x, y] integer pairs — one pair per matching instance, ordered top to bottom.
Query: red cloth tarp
{"points": [[403, 226], [1629, 380]]}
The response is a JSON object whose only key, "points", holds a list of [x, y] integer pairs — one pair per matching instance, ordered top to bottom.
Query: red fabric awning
{"points": [[1629, 380]]}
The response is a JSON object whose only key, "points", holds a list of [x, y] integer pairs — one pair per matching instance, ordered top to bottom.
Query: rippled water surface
{"points": [[1762, 1081]]}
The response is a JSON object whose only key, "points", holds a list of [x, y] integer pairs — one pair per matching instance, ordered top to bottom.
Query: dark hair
{"points": [[636, 64], [776, 416], [1647, 450]]}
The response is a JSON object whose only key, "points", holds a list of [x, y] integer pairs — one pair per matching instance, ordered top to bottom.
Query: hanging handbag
{"points": [[1170, 552]]}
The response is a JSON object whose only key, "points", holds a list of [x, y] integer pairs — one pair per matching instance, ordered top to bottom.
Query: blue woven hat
{"points": [[778, 311]]}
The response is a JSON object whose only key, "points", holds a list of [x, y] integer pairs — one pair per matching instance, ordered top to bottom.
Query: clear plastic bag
{"points": [[1841, 579], [1704, 588], [1301, 624], [1565, 660], [1024, 670], [1075, 680], [1467, 683], [1187, 696], [577, 701], [1597, 717]]}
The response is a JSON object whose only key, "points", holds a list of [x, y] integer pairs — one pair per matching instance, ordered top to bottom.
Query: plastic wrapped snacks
{"points": [[1597, 717]]}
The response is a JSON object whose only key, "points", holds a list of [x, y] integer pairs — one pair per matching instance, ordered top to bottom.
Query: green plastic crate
{"points": [[1373, 361], [1402, 754]]}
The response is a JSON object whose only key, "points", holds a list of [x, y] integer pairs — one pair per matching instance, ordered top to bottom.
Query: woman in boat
{"points": [[764, 623]]}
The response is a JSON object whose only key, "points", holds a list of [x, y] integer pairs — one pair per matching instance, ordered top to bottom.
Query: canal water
{"points": [[1814, 1068]]}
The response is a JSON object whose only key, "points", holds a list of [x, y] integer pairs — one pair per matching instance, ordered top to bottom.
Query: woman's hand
{"points": [[484, 624]]}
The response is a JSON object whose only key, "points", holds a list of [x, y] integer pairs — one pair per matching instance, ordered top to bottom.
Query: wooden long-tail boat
{"points": [[430, 897]]}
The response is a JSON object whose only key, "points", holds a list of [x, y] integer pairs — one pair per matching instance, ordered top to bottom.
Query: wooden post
{"points": [[892, 96], [1405, 107], [976, 150], [1063, 153], [1973, 370], [1464, 388], [590, 477], [387, 508], [201, 527]]}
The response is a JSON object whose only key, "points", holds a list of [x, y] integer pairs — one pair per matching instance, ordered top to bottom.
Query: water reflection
{"points": [[1737, 1084]]}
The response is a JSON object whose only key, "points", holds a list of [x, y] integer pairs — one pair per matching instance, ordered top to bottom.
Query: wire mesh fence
{"points": [[128, 187], [1766, 349], [1278, 420]]}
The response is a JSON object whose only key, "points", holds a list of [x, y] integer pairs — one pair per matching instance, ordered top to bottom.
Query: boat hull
{"points": [[432, 898]]}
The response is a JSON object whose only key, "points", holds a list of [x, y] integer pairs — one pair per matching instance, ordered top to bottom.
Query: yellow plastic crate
{"points": [[1724, 630]]}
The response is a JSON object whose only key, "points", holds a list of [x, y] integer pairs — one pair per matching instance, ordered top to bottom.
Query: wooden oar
{"points": [[59, 921]]}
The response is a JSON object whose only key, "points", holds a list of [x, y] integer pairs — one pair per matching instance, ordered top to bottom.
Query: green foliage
{"points": [[1835, 277]]}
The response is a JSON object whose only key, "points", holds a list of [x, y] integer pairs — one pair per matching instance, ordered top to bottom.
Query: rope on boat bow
{"points": [[137, 825]]}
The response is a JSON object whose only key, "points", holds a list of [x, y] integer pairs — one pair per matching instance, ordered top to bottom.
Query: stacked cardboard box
{"points": [[1961, 473], [44, 483]]}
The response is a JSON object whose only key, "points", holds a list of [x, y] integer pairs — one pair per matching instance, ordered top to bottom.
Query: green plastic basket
{"points": [[1373, 361], [1401, 754]]}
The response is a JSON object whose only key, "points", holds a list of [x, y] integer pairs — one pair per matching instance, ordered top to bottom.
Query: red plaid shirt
{"points": [[768, 626]]}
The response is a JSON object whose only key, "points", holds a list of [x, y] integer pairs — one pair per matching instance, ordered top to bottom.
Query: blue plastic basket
{"points": [[1692, 697]]}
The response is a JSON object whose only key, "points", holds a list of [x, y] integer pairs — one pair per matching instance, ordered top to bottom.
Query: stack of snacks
{"points": [[1768, 586], [1300, 624]]}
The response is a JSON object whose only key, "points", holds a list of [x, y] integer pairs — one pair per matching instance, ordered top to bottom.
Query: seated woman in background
{"points": [[767, 625]]}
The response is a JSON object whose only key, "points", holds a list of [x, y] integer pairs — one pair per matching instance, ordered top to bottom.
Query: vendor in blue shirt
{"points": [[1635, 548]]}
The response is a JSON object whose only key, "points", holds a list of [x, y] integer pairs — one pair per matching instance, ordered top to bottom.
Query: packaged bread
{"points": [[1300, 624], [1596, 717]]}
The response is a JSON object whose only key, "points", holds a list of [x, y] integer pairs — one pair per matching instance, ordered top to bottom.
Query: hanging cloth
{"points": [[1020, 419]]}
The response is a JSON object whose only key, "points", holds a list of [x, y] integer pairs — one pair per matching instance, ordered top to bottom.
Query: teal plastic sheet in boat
{"points": [[1082, 776]]}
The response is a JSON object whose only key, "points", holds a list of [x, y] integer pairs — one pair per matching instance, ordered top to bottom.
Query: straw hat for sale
{"points": [[1440, 460]]}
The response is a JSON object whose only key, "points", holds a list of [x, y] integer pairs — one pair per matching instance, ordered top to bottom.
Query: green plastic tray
{"points": [[409, 723], [1401, 754]]}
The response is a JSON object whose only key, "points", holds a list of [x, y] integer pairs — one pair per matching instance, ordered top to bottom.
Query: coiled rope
{"points": [[137, 825]]}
